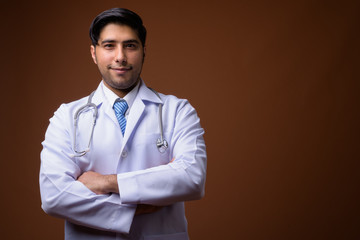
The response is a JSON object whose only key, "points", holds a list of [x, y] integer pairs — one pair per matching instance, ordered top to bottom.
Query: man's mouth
{"points": [[120, 69]]}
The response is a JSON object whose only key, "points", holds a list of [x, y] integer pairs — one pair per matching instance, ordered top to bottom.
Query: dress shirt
{"points": [[129, 97]]}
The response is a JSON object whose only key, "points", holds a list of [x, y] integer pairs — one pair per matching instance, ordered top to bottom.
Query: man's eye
{"points": [[130, 45], [108, 46]]}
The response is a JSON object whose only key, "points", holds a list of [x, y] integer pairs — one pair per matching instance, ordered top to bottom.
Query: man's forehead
{"points": [[116, 30]]}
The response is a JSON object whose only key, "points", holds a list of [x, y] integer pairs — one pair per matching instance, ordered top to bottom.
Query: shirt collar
{"points": [[111, 96]]}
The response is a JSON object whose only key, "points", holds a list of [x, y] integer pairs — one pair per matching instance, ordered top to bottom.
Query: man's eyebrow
{"points": [[108, 41], [126, 41], [131, 41]]}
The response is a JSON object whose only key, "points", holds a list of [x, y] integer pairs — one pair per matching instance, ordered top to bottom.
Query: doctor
{"points": [[120, 185]]}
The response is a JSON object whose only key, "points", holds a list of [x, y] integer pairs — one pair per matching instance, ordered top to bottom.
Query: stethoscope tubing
{"points": [[161, 143]]}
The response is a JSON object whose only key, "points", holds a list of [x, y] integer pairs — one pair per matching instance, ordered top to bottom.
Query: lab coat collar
{"points": [[145, 94], [98, 97]]}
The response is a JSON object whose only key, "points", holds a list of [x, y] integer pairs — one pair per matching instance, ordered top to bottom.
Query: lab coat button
{"points": [[124, 154]]}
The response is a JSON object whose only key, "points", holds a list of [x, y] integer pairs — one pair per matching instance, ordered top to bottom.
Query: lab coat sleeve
{"points": [[181, 180], [65, 197]]}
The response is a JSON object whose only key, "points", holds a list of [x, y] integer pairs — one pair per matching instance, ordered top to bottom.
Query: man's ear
{"points": [[144, 53], [93, 55]]}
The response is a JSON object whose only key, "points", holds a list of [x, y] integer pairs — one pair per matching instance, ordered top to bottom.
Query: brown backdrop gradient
{"points": [[276, 84]]}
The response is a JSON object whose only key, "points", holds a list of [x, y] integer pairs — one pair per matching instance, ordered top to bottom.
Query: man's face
{"points": [[119, 56]]}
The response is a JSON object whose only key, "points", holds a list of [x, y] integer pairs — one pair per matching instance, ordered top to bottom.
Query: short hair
{"points": [[119, 16]]}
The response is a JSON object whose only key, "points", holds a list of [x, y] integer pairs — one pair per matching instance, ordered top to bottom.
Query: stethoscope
{"points": [[161, 143]]}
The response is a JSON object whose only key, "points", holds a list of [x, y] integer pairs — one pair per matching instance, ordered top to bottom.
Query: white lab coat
{"points": [[145, 176]]}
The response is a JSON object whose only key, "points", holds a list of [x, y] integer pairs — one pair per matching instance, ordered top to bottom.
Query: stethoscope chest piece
{"points": [[162, 145]]}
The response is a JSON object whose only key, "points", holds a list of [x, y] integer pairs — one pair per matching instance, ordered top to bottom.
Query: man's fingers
{"points": [[145, 209]]}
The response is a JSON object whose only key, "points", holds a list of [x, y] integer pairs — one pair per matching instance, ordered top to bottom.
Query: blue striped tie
{"points": [[120, 107]]}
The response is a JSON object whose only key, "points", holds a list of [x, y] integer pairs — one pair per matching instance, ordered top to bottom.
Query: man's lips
{"points": [[120, 69]]}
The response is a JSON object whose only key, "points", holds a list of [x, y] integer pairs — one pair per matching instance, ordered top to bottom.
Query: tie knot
{"points": [[120, 106]]}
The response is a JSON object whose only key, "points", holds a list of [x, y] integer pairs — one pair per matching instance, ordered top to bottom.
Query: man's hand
{"points": [[98, 183], [144, 209]]}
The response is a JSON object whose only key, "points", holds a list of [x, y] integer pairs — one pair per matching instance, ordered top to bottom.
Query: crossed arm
{"points": [[98, 183], [101, 184], [104, 184]]}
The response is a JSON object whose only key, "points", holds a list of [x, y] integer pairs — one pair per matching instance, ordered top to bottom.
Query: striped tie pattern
{"points": [[120, 107]]}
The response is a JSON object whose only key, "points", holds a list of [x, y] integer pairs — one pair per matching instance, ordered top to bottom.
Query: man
{"points": [[126, 177]]}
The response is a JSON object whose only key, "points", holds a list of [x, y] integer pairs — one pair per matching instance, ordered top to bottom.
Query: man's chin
{"points": [[122, 85]]}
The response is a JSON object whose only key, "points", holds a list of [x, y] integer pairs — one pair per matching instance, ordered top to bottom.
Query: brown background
{"points": [[276, 84]]}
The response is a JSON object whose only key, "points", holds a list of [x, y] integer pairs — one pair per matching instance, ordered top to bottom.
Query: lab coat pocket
{"points": [[173, 236]]}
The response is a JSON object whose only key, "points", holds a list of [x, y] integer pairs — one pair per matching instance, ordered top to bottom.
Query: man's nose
{"points": [[120, 56]]}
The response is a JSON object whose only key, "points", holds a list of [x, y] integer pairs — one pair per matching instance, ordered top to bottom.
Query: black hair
{"points": [[119, 16]]}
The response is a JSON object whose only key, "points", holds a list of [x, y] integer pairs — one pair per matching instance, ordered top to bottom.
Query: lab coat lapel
{"points": [[100, 102], [137, 109], [109, 111]]}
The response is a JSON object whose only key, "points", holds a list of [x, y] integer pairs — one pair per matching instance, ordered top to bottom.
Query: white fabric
{"points": [[144, 174]]}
